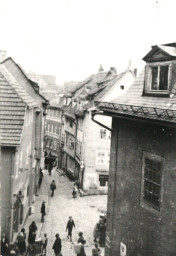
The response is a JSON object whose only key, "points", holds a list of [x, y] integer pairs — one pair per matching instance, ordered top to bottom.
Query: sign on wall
{"points": [[123, 249]]}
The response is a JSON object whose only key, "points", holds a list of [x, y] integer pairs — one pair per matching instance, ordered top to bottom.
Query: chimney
{"points": [[2, 55], [101, 69], [113, 70]]}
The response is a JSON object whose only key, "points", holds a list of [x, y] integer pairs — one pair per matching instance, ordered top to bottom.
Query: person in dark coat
{"points": [[40, 178], [52, 187], [43, 211], [69, 227], [102, 229], [32, 233], [21, 242], [83, 242], [4, 245], [57, 245]]}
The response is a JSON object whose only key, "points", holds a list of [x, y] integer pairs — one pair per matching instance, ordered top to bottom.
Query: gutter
{"points": [[93, 114]]}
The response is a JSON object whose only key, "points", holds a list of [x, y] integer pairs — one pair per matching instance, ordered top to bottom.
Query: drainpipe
{"points": [[93, 114], [12, 202]]}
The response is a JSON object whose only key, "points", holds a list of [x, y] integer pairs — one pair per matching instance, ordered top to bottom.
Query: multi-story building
{"points": [[22, 122], [90, 157], [142, 179]]}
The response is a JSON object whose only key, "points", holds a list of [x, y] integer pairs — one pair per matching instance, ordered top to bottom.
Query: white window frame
{"points": [[148, 77]]}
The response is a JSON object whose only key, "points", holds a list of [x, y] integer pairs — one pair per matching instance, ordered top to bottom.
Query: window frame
{"points": [[148, 78], [144, 203]]}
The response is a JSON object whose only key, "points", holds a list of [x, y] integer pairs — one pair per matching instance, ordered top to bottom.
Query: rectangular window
{"points": [[159, 79], [102, 133], [103, 180], [152, 180]]}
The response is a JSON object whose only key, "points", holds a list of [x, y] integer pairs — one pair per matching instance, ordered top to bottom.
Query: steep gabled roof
{"points": [[33, 83], [12, 110]]}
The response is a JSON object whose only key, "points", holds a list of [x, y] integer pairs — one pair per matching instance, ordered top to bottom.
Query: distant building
{"points": [[21, 130], [54, 135], [87, 144], [141, 200]]}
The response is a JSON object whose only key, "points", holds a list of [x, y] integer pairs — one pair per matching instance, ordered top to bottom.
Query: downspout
{"points": [[93, 114], [12, 203]]}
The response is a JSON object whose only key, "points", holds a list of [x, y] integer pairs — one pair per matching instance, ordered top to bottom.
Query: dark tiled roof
{"points": [[135, 104], [12, 110]]}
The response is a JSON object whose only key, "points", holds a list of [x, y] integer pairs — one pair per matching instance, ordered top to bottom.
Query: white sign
{"points": [[123, 249]]}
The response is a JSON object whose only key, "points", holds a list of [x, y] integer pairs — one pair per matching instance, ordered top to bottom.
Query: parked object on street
{"points": [[40, 177], [52, 187], [75, 190], [43, 211], [69, 227], [32, 233], [21, 242], [44, 244], [4, 245], [57, 245], [96, 251]]}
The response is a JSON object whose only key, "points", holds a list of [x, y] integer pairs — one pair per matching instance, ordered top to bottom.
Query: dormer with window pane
{"points": [[160, 77]]}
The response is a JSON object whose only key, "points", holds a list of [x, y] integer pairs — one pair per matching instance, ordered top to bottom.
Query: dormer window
{"points": [[159, 78]]}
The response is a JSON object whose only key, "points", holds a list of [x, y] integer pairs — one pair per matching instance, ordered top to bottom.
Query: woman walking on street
{"points": [[32, 233], [81, 241], [57, 245]]}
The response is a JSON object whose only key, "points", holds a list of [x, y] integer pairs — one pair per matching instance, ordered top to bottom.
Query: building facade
{"points": [[22, 119], [92, 141], [141, 195]]}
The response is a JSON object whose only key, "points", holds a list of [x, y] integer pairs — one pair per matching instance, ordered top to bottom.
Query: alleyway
{"points": [[84, 210]]}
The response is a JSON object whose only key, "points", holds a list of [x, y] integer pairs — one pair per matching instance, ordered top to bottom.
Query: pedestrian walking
{"points": [[50, 166], [40, 178], [52, 187], [75, 189], [43, 211], [69, 227], [102, 232], [32, 233], [21, 242], [44, 244], [4, 245], [57, 245], [79, 247], [96, 251]]}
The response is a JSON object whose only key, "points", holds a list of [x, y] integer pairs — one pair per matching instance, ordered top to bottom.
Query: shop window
{"points": [[103, 180]]}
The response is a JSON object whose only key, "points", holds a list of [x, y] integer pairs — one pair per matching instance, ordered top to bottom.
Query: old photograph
{"points": [[88, 128]]}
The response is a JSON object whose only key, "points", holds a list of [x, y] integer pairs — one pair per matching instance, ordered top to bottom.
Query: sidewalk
{"points": [[43, 195]]}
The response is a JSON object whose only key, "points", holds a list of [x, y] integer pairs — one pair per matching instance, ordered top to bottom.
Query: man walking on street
{"points": [[52, 187], [43, 211], [69, 227], [57, 245]]}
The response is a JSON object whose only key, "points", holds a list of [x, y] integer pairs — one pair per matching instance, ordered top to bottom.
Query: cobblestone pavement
{"points": [[84, 211]]}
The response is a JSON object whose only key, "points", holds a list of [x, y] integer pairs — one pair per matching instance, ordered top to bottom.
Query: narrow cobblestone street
{"points": [[84, 210]]}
